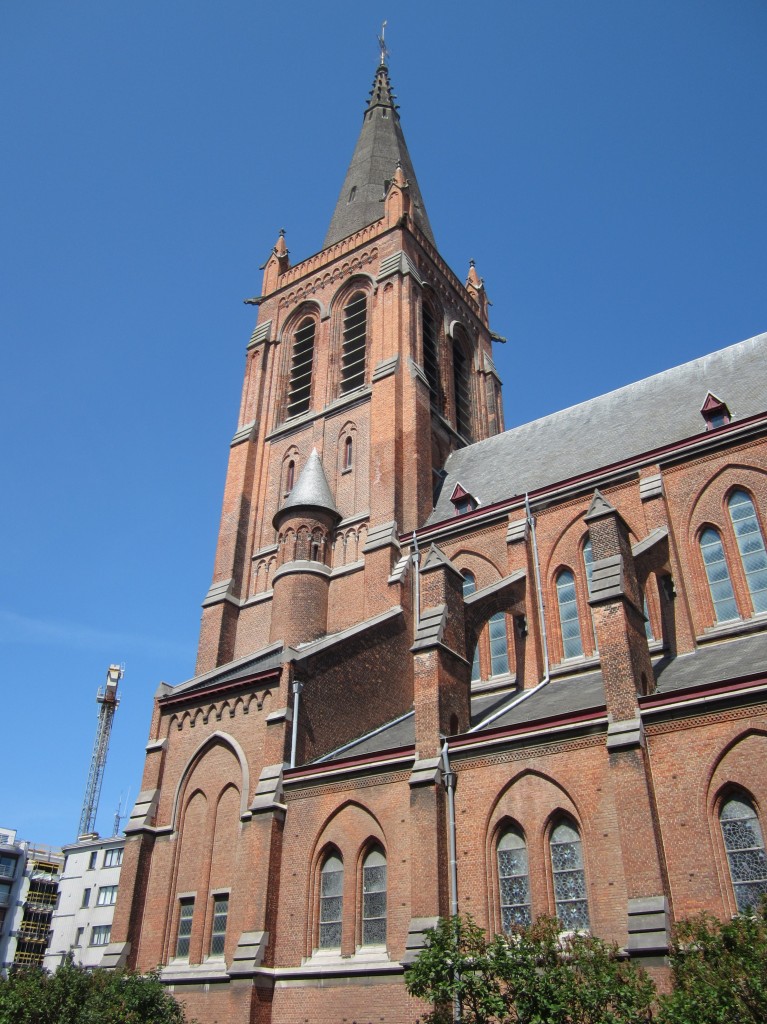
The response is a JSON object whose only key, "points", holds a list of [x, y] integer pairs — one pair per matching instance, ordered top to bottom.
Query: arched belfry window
{"points": [[354, 346], [430, 356], [302, 358], [462, 392], [748, 534], [718, 576], [469, 586], [572, 644], [744, 844], [569, 877], [513, 881], [374, 898], [331, 902]]}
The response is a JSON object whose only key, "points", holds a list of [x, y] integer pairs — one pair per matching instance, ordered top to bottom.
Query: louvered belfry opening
{"points": [[355, 343], [430, 359], [300, 390], [462, 402]]}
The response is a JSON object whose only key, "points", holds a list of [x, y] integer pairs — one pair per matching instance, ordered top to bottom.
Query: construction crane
{"points": [[107, 700]]}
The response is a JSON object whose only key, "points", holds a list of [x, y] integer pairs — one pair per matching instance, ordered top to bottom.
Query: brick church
{"points": [[443, 666]]}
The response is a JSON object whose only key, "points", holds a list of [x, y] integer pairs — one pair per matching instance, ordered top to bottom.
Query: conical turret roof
{"points": [[381, 147], [311, 490]]}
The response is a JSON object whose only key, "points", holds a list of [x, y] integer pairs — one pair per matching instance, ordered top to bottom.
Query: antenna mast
{"points": [[107, 700]]}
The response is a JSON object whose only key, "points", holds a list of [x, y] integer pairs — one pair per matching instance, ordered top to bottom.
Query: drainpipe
{"points": [[416, 581], [544, 640], [297, 688], [448, 781]]}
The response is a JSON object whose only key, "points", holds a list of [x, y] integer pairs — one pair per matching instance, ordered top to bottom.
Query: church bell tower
{"points": [[369, 363]]}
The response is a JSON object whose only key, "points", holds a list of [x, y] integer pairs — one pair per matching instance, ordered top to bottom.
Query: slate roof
{"points": [[380, 147], [622, 424], [311, 490], [584, 691]]}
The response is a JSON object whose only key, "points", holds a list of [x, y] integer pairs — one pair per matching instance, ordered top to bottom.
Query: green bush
{"points": [[74, 995]]}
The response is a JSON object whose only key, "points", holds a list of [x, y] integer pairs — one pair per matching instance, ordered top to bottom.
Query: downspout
{"points": [[416, 582], [544, 639], [297, 688], [448, 780]]}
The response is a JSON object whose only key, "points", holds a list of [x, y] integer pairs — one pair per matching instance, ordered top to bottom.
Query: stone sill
{"points": [[735, 627]]}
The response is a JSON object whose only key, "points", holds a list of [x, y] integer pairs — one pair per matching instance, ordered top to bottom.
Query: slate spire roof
{"points": [[380, 148], [311, 490]]}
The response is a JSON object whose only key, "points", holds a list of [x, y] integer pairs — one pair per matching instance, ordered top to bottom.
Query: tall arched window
{"points": [[355, 343], [430, 357], [300, 385], [461, 387], [348, 452], [290, 477], [748, 534], [588, 562], [718, 575], [469, 586], [572, 644], [499, 645], [745, 851], [569, 877], [513, 880], [374, 899], [331, 902]]}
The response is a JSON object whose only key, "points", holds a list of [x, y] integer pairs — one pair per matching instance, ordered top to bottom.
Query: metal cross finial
{"points": [[382, 43]]}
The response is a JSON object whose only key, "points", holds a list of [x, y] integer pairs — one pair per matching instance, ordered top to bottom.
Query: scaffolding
{"points": [[107, 700]]}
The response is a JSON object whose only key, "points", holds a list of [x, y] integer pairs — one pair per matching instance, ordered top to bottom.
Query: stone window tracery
{"points": [[744, 844], [569, 877], [513, 880], [374, 898], [331, 902]]}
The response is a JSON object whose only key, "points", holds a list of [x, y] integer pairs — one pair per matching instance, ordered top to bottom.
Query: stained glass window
{"points": [[751, 547], [588, 561], [718, 575], [469, 586], [568, 615], [499, 645], [745, 851], [569, 877], [513, 880], [374, 899], [331, 902], [184, 929], [218, 931]]}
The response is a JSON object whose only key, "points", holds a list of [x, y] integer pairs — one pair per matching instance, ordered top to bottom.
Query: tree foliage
{"points": [[719, 970], [533, 976], [74, 995]]}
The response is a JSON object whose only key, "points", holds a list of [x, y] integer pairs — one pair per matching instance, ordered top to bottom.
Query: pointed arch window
{"points": [[355, 343], [430, 357], [302, 358], [462, 394], [348, 452], [290, 477], [748, 534], [588, 562], [718, 576], [469, 587], [572, 644], [499, 645], [744, 844], [569, 877], [513, 880], [374, 898], [331, 902]]}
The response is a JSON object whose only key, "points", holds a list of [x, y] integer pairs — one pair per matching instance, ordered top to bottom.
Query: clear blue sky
{"points": [[604, 163]]}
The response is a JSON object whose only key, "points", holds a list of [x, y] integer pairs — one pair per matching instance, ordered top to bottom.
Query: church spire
{"points": [[380, 148]]}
